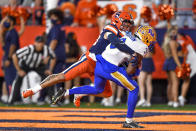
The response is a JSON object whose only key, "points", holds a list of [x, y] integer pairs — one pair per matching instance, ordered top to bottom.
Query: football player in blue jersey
{"points": [[108, 68]]}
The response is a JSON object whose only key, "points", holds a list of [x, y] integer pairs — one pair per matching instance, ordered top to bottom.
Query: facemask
{"points": [[53, 21], [6, 24]]}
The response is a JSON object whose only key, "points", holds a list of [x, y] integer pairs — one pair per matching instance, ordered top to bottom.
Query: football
{"points": [[131, 68]]}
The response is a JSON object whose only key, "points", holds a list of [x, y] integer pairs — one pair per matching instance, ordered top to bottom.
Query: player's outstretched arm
{"points": [[114, 40]]}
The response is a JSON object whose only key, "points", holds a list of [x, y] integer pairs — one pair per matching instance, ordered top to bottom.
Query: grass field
{"points": [[188, 107], [95, 117]]}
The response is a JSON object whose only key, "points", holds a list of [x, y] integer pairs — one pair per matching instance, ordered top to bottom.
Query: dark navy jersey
{"points": [[57, 33], [11, 38], [101, 43]]}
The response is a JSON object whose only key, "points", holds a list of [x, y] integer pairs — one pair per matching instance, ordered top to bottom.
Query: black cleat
{"points": [[58, 96], [133, 124]]}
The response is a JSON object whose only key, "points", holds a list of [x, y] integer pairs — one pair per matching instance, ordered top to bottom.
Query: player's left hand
{"points": [[134, 61], [132, 66]]}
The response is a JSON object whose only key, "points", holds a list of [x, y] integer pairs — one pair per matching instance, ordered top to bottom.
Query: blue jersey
{"points": [[57, 33], [11, 38], [101, 43]]}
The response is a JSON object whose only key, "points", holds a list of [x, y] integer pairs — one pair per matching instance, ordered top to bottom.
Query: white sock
{"points": [[36, 89], [66, 93], [129, 120]]}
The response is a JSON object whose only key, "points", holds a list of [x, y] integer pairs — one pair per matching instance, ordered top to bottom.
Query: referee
{"points": [[31, 58]]}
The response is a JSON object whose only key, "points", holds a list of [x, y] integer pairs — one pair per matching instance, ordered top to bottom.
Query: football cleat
{"points": [[26, 93], [58, 96], [76, 101], [133, 124]]}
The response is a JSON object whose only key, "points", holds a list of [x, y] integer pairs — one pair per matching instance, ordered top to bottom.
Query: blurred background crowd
{"points": [[57, 28]]}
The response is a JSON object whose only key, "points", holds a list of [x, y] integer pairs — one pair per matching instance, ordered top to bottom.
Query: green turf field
{"points": [[98, 105]]}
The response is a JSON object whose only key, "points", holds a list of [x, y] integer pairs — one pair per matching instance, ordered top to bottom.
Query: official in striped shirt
{"points": [[31, 58]]}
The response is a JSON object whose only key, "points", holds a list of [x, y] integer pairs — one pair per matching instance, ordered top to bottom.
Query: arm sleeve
{"points": [[114, 40]]}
